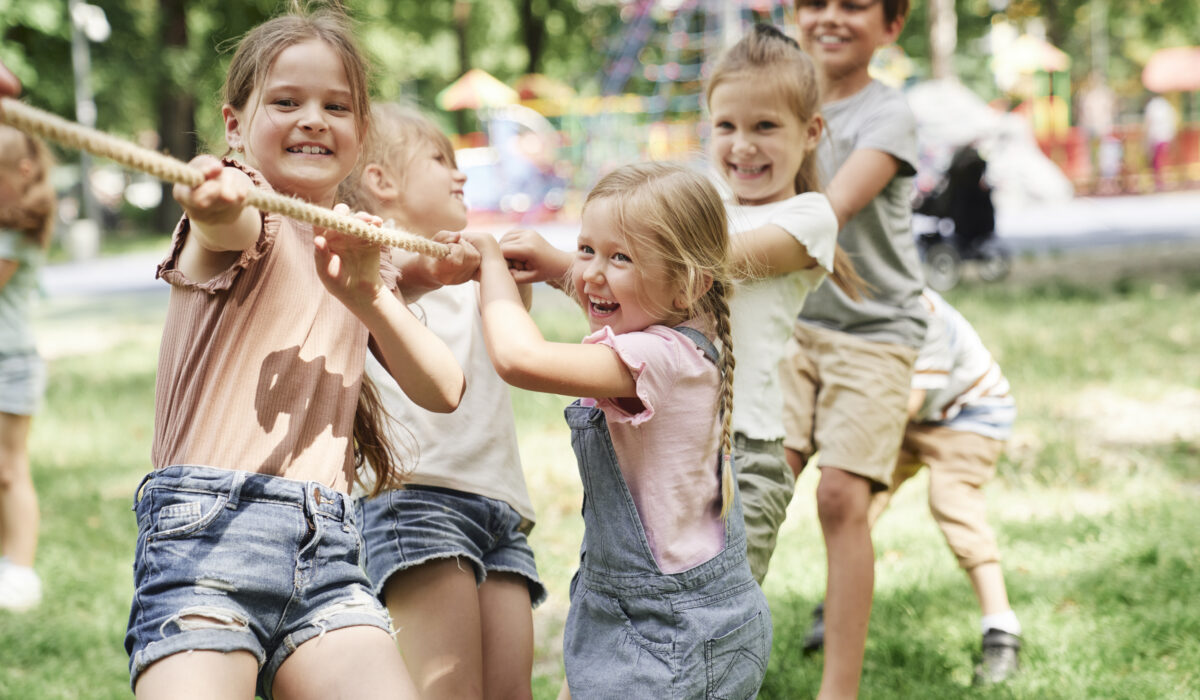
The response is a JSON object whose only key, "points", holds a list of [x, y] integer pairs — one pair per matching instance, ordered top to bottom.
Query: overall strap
{"points": [[702, 342]]}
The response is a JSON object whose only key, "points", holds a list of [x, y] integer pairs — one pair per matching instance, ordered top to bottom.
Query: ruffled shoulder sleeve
{"points": [[168, 269], [656, 357]]}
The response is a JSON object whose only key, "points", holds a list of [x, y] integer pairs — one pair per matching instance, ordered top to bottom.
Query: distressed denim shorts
{"points": [[22, 383], [418, 524], [236, 561]]}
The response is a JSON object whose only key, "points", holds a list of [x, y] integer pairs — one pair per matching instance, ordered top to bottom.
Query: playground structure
{"points": [[542, 145]]}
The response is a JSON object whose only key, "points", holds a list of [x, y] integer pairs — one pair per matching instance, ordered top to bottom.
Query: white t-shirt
{"points": [[763, 311], [964, 387], [473, 449]]}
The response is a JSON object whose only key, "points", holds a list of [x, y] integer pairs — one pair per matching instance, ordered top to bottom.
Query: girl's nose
{"points": [[313, 119], [743, 145], [459, 176], [594, 270]]}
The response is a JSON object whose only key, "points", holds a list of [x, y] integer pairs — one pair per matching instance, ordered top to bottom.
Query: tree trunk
{"points": [[462, 19], [533, 28], [943, 38], [176, 106]]}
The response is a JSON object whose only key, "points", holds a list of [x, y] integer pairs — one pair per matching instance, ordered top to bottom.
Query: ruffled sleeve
{"points": [[810, 219], [168, 270], [654, 360]]}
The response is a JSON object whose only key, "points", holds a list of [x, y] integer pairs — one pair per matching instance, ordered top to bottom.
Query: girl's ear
{"points": [[233, 127], [812, 134], [379, 183], [684, 301]]}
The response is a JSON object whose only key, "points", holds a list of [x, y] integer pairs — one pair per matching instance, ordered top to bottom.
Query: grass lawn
{"points": [[1096, 506]]}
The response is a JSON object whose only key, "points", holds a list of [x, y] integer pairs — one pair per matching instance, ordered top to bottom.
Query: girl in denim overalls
{"points": [[663, 604]]}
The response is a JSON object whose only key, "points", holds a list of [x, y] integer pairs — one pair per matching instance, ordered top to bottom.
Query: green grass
{"points": [[1096, 508]]}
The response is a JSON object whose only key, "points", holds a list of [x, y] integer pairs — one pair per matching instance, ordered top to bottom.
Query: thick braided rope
{"points": [[54, 128]]}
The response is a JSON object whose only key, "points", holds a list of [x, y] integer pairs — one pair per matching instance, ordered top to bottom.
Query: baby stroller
{"points": [[956, 223]]}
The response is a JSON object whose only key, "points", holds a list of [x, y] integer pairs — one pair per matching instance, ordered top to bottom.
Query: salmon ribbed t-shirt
{"points": [[260, 367]]}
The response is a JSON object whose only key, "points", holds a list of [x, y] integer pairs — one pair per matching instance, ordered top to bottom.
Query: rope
{"points": [[54, 128]]}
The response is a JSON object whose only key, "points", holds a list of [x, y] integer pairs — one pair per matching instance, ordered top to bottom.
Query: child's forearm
{"points": [[768, 251], [420, 362]]}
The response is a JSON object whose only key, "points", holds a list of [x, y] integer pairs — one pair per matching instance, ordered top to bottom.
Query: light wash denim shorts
{"points": [[22, 383], [418, 524], [231, 561]]}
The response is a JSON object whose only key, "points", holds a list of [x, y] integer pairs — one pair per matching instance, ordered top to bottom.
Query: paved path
{"points": [[1085, 223]]}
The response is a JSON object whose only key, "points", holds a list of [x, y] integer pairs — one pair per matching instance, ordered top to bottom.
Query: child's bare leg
{"points": [[18, 501], [842, 502], [988, 582], [435, 610], [506, 618], [352, 662], [200, 675], [564, 693]]}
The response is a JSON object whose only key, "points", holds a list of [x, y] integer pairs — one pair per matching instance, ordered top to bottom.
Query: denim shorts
{"points": [[22, 383], [418, 524], [236, 561]]}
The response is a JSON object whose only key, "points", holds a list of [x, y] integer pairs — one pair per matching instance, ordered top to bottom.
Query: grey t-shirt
{"points": [[879, 238], [16, 297]]}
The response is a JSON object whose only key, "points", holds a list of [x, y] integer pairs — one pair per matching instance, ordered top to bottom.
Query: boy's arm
{"points": [[863, 176], [524, 358]]}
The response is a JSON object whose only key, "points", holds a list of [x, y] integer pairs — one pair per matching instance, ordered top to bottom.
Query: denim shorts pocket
{"points": [[182, 513], [736, 661]]}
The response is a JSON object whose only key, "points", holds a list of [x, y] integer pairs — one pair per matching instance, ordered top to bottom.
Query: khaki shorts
{"points": [[848, 398], [960, 463]]}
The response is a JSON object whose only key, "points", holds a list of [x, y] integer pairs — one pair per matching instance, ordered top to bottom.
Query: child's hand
{"points": [[220, 199], [484, 243], [532, 259], [462, 262], [348, 265]]}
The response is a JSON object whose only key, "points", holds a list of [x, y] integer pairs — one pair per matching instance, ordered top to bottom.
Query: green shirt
{"points": [[16, 296]]}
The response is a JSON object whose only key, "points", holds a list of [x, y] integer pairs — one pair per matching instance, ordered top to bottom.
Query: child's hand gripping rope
{"points": [[51, 127]]}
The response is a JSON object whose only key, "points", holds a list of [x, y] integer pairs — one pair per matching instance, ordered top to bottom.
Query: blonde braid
{"points": [[720, 306]]}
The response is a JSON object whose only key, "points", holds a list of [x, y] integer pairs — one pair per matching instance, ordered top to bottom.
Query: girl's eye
{"points": [[285, 102], [337, 107], [724, 126], [764, 126], [439, 158], [586, 250], [621, 257]]}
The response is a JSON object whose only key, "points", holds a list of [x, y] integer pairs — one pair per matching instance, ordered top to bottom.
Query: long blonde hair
{"points": [[767, 54], [33, 215], [677, 216]]}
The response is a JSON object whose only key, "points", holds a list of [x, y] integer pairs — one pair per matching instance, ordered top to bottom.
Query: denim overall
{"points": [[635, 632]]}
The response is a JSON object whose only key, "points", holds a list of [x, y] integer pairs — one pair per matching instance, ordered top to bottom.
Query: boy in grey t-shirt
{"points": [[849, 364]]}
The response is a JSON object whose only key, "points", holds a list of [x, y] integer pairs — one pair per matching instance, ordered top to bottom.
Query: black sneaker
{"points": [[816, 634], [1001, 657]]}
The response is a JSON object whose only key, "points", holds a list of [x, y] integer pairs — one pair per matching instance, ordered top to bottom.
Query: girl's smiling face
{"points": [[298, 127], [757, 143], [431, 199], [618, 287]]}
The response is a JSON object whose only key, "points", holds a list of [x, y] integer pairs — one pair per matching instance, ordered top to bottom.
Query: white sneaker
{"points": [[20, 588]]}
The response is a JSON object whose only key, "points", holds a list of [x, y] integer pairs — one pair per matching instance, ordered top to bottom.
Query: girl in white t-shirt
{"points": [[763, 98], [447, 554], [663, 601]]}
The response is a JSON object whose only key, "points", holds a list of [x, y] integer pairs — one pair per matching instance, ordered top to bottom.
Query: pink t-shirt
{"points": [[667, 452]]}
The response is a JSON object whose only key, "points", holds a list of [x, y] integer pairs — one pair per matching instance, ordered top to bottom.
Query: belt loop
{"points": [[235, 491], [138, 492]]}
